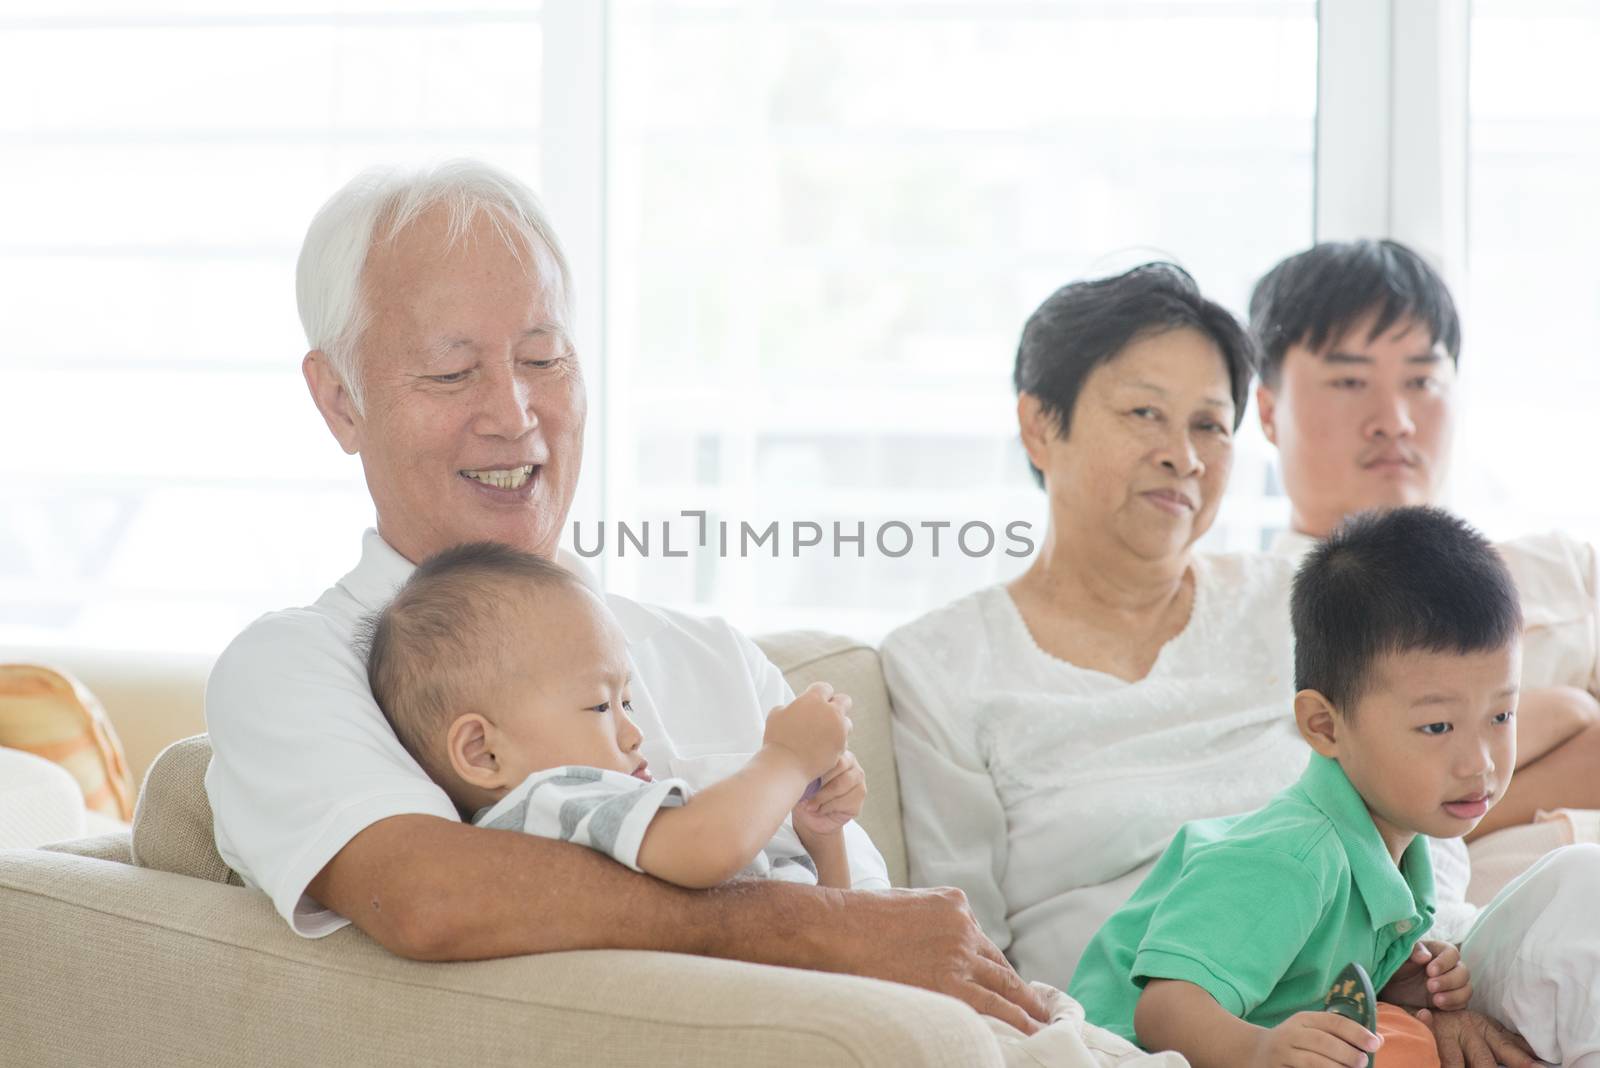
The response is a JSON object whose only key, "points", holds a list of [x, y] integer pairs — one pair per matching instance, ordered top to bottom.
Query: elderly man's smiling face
{"points": [[471, 427]]}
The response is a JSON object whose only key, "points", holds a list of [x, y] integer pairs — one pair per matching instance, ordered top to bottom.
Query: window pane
{"points": [[828, 223], [1529, 370], [166, 477]]}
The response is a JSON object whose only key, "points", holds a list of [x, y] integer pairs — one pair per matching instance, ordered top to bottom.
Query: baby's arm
{"points": [[820, 821], [720, 829], [1180, 1016]]}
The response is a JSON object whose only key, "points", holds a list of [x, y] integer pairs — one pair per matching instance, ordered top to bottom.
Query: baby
{"points": [[1407, 659], [507, 680]]}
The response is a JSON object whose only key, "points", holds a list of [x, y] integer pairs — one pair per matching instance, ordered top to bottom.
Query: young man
{"points": [[1360, 344]]}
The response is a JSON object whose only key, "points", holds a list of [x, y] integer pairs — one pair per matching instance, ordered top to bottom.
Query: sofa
{"points": [[142, 947]]}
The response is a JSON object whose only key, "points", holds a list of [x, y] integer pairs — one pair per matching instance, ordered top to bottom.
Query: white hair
{"points": [[376, 205]]}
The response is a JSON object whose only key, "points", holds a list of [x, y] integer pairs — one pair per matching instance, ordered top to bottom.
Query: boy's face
{"points": [[562, 695], [1432, 743]]}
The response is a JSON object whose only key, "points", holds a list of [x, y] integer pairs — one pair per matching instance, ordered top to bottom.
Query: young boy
{"points": [[1407, 658], [507, 680]]}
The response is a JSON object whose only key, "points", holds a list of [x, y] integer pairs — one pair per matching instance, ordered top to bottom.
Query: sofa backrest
{"points": [[172, 824]]}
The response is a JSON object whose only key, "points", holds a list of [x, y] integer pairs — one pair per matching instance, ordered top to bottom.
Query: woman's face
{"points": [[1147, 457]]}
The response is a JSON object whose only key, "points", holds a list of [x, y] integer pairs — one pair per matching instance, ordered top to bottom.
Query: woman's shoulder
{"points": [[948, 630]]}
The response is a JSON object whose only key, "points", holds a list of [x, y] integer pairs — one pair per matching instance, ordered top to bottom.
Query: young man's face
{"points": [[1365, 423], [1433, 741]]}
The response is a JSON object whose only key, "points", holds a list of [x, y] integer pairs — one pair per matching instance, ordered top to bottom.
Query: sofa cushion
{"points": [[50, 714], [172, 825]]}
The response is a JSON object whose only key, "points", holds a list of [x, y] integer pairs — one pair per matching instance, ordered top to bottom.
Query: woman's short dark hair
{"points": [[1314, 296], [1085, 324], [1396, 582]]}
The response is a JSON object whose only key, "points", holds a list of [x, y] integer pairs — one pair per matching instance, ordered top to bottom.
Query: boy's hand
{"points": [[813, 727], [843, 791], [1434, 977], [1315, 1040]]}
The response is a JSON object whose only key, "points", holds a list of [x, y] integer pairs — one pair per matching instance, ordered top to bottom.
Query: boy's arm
{"points": [[720, 829], [1179, 1016], [1182, 1017]]}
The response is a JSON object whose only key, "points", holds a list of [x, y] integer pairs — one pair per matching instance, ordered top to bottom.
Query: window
{"points": [[828, 224], [805, 239], [1532, 307], [166, 478]]}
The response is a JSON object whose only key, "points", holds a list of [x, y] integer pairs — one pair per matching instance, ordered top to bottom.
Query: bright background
{"points": [[805, 237]]}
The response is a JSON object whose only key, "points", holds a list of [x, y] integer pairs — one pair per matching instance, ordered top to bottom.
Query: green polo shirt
{"points": [[1263, 910]]}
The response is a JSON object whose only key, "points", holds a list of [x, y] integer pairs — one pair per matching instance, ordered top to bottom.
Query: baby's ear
{"points": [[1318, 722], [467, 742]]}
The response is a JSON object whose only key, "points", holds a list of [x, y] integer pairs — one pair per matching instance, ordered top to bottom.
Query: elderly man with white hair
{"points": [[436, 306]]}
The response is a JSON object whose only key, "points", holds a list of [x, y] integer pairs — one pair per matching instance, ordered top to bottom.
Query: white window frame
{"points": [[1391, 155]]}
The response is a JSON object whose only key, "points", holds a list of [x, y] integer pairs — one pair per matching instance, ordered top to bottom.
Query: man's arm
{"points": [[432, 889]]}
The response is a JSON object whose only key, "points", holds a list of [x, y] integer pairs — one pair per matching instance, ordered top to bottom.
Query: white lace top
{"points": [[1045, 791]]}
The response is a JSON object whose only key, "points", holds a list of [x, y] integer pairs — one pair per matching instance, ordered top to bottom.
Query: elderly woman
{"points": [[1053, 733]]}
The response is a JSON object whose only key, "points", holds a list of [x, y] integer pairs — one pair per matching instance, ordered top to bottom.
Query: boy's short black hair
{"points": [[1313, 297], [1085, 324], [1393, 582], [439, 640]]}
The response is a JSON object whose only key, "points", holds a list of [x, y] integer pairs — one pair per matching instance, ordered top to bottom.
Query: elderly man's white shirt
{"points": [[303, 759]]}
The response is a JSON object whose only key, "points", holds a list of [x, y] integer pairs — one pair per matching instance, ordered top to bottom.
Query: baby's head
{"points": [[1408, 649], [492, 664]]}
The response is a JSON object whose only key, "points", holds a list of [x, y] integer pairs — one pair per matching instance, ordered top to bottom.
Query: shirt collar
{"points": [[382, 571], [1393, 895]]}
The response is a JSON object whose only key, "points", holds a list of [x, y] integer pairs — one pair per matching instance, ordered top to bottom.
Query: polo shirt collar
{"points": [[382, 571], [1393, 895]]}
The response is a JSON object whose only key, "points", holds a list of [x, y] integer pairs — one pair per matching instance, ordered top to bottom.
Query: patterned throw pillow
{"points": [[50, 714]]}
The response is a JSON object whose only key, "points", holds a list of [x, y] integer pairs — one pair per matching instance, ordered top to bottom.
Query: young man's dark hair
{"points": [[1314, 297], [1085, 324], [1394, 582]]}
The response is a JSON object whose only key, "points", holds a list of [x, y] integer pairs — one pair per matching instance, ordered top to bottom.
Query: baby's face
{"points": [[562, 696], [1434, 740]]}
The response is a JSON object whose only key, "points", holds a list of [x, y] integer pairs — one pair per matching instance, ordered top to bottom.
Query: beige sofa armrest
{"points": [[115, 845], [108, 963]]}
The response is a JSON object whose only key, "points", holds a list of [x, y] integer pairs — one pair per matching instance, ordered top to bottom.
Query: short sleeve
{"points": [[302, 760], [604, 810], [955, 825], [1232, 924]]}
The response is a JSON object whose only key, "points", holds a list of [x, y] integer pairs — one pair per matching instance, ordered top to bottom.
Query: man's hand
{"points": [[813, 728], [836, 803], [928, 939], [1434, 977], [1315, 1040], [1471, 1040]]}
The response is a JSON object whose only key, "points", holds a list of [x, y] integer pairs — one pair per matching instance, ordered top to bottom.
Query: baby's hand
{"points": [[813, 727], [843, 792], [1434, 977], [1315, 1040]]}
